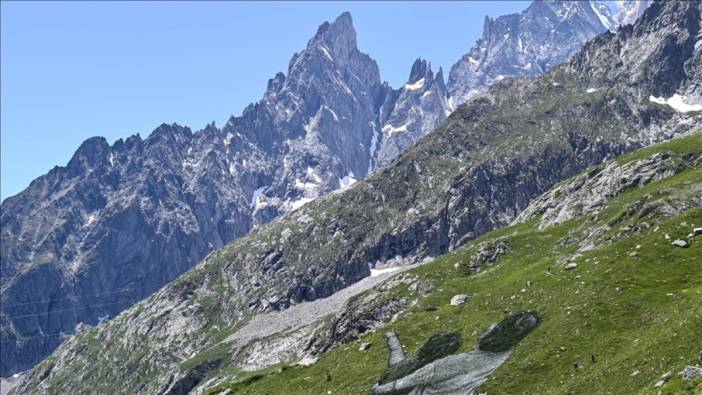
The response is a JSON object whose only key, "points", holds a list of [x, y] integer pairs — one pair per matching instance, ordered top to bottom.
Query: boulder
{"points": [[697, 231], [680, 243], [487, 254], [571, 266], [458, 300], [508, 332], [364, 346], [691, 373]]}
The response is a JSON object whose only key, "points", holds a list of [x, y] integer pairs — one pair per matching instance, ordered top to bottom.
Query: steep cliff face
{"points": [[526, 44], [477, 171]]}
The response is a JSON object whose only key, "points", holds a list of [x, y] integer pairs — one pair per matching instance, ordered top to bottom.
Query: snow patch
{"points": [[604, 20], [326, 53], [473, 61], [500, 77], [417, 85], [592, 90], [677, 102], [332, 113], [389, 129], [227, 140], [373, 146], [111, 159], [188, 163], [312, 173], [347, 181], [256, 195], [295, 204], [91, 218], [378, 272], [307, 361]]}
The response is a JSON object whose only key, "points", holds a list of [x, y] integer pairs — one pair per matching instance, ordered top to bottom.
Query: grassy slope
{"points": [[634, 313]]}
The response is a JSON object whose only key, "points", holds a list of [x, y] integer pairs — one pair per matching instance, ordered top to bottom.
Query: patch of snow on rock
{"points": [[417, 85], [677, 102], [389, 129], [373, 147], [347, 181], [256, 195], [295, 204], [378, 272]]}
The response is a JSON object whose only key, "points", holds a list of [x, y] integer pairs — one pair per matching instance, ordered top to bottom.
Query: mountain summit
{"points": [[526, 44]]}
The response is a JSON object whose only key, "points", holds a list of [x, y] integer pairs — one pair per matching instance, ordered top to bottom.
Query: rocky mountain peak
{"points": [[487, 27], [337, 38], [526, 44], [420, 69], [418, 107], [90, 150]]}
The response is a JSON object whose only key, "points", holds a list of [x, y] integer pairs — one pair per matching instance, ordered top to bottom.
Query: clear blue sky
{"points": [[75, 70]]}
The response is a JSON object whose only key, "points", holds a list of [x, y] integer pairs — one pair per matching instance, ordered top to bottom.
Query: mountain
{"points": [[629, 11], [523, 44], [526, 44], [477, 171], [119, 221], [87, 240], [596, 277]]}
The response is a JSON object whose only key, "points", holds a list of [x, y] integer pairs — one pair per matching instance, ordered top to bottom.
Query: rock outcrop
{"points": [[586, 193]]}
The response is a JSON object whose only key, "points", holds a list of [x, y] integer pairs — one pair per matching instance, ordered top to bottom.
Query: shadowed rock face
{"points": [[508, 332], [433, 370]]}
